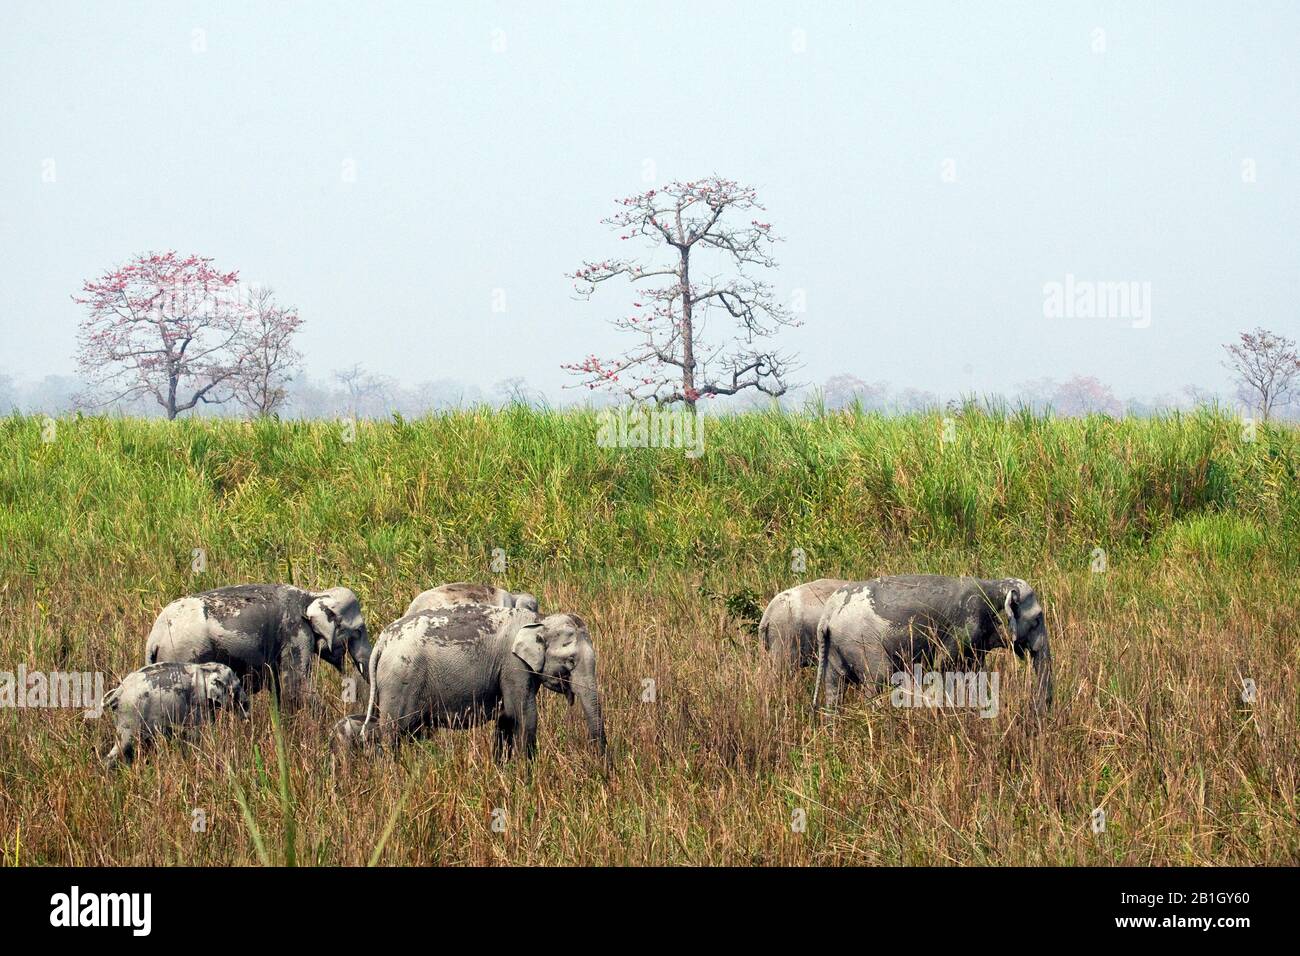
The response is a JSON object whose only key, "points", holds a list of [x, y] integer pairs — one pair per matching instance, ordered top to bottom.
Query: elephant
{"points": [[462, 592], [261, 628], [788, 629], [873, 629], [464, 665], [159, 700], [347, 733]]}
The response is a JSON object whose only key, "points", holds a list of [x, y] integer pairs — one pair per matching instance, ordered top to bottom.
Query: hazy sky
{"points": [[488, 141]]}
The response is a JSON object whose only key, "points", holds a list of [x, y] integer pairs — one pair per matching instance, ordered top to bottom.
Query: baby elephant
{"points": [[451, 595], [788, 629], [874, 629], [461, 666], [160, 700]]}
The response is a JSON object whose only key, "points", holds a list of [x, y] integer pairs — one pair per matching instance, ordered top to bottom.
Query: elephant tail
{"points": [[158, 633], [823, 652], [372, 704]]}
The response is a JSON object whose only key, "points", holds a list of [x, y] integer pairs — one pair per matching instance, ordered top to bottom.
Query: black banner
{"points": [[146, 905]]}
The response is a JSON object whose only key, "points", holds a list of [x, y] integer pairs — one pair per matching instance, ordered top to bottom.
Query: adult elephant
{"points": [[462, 592], [788, 628], [264, 629], [873, 629], [464, 665]]}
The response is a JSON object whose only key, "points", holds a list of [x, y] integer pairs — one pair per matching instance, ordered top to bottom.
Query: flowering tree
{"points": [[165, 326], [269, 359], [672, 362], [1267, 369]]}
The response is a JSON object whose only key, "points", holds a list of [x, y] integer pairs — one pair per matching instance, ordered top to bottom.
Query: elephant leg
{"points": [[780, 635], [784, 651], [838, 674], [291, 676], [255, 678], [834, 688], [398, 711], [517, 722], [527, 731], [187, 733], [384, 733], [503, 741]]}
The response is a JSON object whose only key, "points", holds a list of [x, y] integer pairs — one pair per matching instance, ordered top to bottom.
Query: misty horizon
{"points": [[940, 196], [324, 397]]}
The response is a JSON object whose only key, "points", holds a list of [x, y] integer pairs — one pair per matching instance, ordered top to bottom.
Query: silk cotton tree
{"points": [[700, 318], [163, 325]]}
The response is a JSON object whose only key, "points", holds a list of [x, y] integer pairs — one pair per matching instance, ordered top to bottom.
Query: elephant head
{"points": [[523, 599], [335, 618], [1028, 629], [558, 649], [222, 688], [347, 734]]}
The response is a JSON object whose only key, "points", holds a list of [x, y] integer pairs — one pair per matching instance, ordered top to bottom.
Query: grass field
{"points": [[669, 560]]}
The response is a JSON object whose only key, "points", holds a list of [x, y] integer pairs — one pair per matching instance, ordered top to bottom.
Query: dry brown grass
{"points": [[713, 770]]}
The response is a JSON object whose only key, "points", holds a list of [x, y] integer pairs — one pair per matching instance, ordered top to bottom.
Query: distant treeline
{"points": [[356, 393]]}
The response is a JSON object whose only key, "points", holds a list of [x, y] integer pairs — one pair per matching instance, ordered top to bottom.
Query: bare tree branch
{"points": [[673, 362], [1267, 369]]}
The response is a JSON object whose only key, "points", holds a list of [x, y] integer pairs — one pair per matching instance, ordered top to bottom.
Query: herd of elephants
{"points": [[467, 653]]}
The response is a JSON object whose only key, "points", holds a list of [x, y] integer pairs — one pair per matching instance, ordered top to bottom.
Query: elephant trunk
{"points": [[359, 650], [583, 683], [1043, 683]]}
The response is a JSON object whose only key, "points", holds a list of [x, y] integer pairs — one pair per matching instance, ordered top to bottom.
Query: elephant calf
{"points": [[462, 592], [260, 629], [788, 629], [873, 629], [460, 666], [160, 700], [347, 734]]}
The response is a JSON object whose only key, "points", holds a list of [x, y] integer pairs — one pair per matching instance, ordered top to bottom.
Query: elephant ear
{"points": [[1012, 606], [320, 615], [529, 646], [215, 688]]}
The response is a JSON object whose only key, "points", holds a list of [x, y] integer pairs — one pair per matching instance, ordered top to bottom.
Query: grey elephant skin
{"points": [[463, 592], [788, 628], [261, 629], [871, 630], [464, 665], [160, 701]]}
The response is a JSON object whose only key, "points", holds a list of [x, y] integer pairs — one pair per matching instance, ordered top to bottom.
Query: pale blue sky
{"points": [[479, 169]]}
